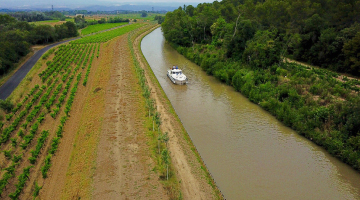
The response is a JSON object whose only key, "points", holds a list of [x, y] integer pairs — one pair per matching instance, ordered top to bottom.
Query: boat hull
{"points": [[175, 81]]}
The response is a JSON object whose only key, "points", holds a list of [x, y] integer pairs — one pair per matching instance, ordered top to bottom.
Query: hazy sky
{"points": [[32, 3]]}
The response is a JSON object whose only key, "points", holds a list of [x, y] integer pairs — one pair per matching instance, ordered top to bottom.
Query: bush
{"points": [[6, 105]]}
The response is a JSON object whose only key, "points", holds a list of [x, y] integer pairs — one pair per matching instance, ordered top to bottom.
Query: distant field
{"points": [[137, 16], [150, 16], [48, 22], [100, 27], [108, 35]]}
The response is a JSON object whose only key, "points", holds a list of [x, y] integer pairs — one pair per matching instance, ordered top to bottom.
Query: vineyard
{"points": [[100, 27], [106, 36], [28, 140]]}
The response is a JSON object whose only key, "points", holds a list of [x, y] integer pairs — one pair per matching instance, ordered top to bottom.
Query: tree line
{"points": [[38, 16], [81, 22], [322, 33], [16, 37]]}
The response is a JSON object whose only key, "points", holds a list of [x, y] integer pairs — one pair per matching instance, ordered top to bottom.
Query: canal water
{"points": [[249, 153]]}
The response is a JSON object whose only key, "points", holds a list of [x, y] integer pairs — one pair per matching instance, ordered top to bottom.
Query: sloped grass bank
{"points": [[206, 174]]}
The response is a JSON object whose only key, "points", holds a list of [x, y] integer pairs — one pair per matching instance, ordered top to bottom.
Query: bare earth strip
{"points": [[123, 163]]}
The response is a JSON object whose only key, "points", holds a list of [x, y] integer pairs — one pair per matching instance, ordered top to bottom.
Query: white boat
{"points": [[176, 76]]}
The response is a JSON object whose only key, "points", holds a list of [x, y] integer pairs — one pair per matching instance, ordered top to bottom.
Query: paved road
{"points": [[9, 86]]}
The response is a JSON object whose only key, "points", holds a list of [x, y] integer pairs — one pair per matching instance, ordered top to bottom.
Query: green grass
{"points": [[45, 22], [100, 27], [108, 35]]}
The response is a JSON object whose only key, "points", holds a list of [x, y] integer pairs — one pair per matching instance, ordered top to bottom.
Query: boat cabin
{"points": [[176, 71]]}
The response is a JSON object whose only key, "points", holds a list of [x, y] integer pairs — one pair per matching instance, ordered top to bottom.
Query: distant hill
{"points": [[94, 5], [127, 7]]}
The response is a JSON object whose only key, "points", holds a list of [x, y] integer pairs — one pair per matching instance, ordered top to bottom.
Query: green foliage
{"points": [[144, 14], [52, 16], [160, 19], [323, 34], [16, 37], [262, 51], [352, 51], [314, 101], [6, 105], [30, 113], [13, 142], [39, 146], [7, 154], [162, 155], [16, 158], [47, 164], [10, 172], [21, 183], [37, 189]]}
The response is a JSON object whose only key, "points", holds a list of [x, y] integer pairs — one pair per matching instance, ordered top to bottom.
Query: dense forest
{"points": [[322, 33], [16, 37], [244, 43]]}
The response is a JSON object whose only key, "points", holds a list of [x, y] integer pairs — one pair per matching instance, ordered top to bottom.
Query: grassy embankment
{"points": [[319, 104], [158, 142], [205, 173]]}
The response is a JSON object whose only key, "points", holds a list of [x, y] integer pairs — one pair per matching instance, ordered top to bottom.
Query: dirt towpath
{"points": [[124, 163]]}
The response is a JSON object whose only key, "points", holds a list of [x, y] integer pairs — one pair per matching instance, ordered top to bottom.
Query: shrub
{"points": [[6, 105]]}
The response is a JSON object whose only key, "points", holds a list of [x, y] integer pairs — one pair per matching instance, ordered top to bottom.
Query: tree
{"points": [[190, 10], [144, 14], [160, 19], [102, 21], [175, 27], [218, 28], [72, 30], [44, 34], [237, 43], [263, 50]]}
